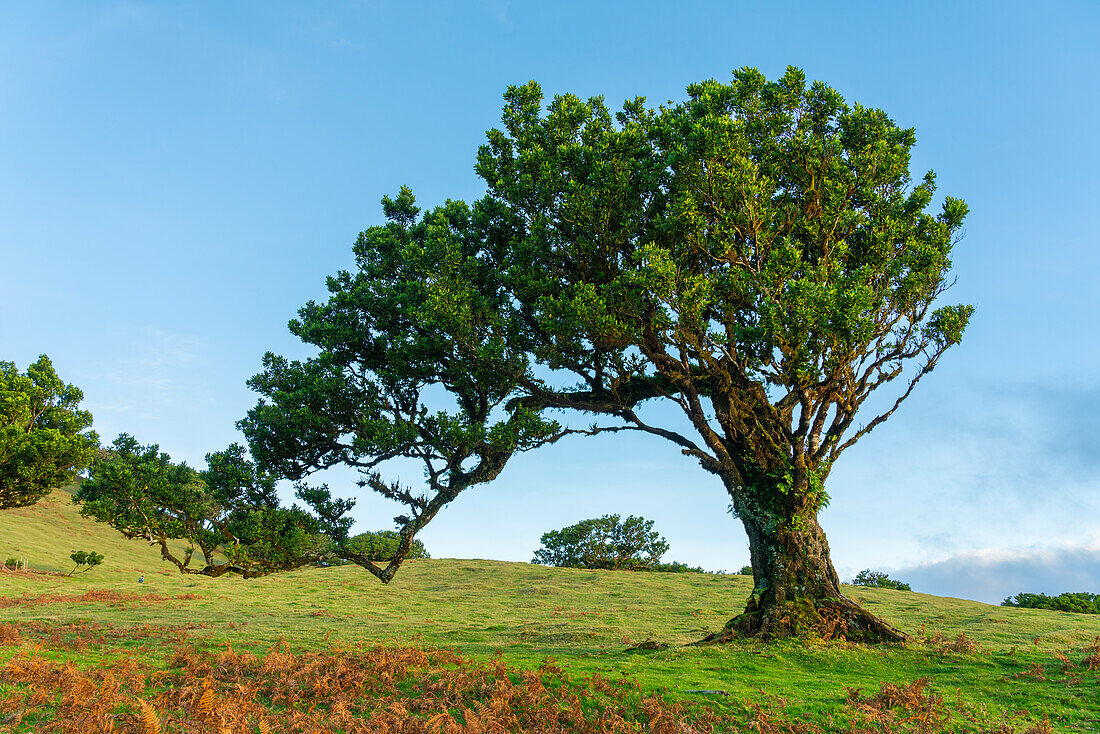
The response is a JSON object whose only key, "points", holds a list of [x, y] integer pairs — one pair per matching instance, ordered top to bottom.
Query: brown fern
{"points": [[385, 689], [205, 707], [149, 717]]}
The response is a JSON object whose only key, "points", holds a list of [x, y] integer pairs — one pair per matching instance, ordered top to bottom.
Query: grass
{"points": [[585, 620]]}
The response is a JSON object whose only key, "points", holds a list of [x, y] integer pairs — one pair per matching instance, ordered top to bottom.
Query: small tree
{"points": [[44, 436], [229, 512], [604, 542], [382, 545], [91, 559], [878, 580]]}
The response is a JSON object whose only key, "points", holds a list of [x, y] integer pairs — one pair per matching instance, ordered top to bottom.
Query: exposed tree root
{"points": [[826, 619]]}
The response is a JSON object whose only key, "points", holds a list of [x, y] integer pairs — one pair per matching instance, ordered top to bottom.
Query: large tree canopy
{"points": [[757, 256], [416, 361], [44, 436]]}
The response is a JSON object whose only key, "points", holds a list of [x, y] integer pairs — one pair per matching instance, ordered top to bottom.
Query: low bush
{"points": [[607, 543], [879, 580]]}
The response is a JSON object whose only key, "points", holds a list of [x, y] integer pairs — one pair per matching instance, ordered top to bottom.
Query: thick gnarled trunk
{"points": [[796, 589]]}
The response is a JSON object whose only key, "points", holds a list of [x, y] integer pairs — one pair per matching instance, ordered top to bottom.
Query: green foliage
{"points": [[758, 256], [419, 325], [44, 436], [229, 510], [604, 542], [382, 545], [91, 559], [12, 562], [674, 567], [745, 571], [878, 580], [1080, 602]]}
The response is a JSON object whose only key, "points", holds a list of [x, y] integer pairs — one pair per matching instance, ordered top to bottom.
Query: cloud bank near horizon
{"points": [[990, 576]]}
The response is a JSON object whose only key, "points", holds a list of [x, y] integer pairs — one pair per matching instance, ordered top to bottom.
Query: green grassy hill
{"points": [[46, 533], [584, 619]]}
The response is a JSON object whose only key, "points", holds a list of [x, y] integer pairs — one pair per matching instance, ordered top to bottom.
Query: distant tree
{"points": [[758, 258], [44, 436], [229, 512], [604, 542], [382, 545], [91, 559], [675, 567], [745, 571], [878, 580], [1080, 602]]}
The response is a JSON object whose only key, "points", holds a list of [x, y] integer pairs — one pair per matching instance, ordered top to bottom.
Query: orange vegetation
{"points": [[102, 596], [376, 689], [379, 689]]}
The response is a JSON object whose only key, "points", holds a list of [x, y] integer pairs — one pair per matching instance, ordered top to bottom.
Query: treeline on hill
{"points": [[1080, 602]]}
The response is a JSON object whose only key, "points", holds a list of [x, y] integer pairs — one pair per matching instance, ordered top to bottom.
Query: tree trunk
{"points": [[796, 591]]}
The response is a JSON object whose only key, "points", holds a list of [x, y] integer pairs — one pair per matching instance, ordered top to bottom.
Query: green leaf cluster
{"points": [[415, 360], [45, 439], [606, 542], [382, 545], [91, 559], [879, 580]]}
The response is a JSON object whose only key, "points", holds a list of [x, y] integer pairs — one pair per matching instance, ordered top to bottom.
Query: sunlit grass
{"points": [[584, 619]]}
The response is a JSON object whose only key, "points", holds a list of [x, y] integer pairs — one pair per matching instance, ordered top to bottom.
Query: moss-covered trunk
{"points": [[796, 589]]}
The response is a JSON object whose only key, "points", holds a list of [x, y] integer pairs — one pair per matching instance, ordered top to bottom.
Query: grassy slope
{"points": [[583, 618]]}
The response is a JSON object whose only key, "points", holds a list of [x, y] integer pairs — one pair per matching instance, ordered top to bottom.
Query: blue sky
{"points": [[178, 178]]}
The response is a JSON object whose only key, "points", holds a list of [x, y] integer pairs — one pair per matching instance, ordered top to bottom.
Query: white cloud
{"points": [[991, 574]]}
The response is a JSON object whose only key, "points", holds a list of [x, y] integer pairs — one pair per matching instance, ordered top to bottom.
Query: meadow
{"points": [[557, 640]]}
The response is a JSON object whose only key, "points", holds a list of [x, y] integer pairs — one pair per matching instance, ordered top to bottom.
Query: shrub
{"points": [[605, 542], [381, 545], [91, 559], [12, 563], [676, 567], [745, 571], [879, 580], [1080, 602]]}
